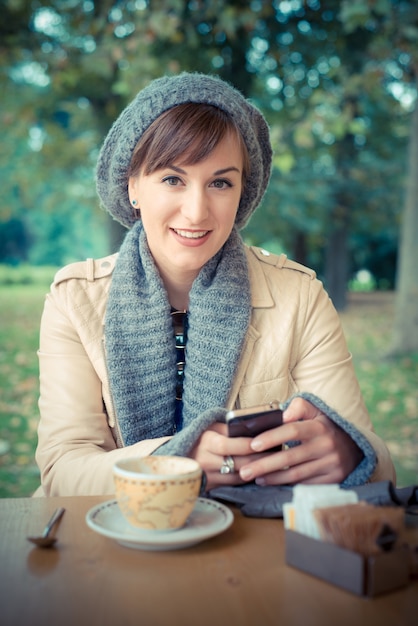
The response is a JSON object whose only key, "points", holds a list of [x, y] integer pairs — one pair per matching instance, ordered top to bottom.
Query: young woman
{"points": [[142, 352]]}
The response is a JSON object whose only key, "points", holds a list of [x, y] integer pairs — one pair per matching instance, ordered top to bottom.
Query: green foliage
{"points": [[334, 80], [24, 274], [362, 281]]}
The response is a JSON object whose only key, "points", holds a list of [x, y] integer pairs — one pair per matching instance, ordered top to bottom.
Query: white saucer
{"points": [[208, 518]]}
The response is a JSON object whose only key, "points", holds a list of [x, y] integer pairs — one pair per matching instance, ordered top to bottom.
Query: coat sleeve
{"points": [[297, 347], [324, 367], [76, 447]]}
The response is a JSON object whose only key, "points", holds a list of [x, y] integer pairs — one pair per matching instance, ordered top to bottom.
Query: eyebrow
{"points": [[217, 173]]}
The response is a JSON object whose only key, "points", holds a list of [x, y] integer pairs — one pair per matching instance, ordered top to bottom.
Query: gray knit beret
{"points": [[163, 94]]}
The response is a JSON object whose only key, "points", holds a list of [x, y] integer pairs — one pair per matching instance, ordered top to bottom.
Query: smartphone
{"points": [[253, 421]]}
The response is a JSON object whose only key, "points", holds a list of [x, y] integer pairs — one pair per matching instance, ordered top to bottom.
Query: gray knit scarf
{"points": [[140, 346]]}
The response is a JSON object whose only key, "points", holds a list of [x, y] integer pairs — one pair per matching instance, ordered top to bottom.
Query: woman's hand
{"points": [[214, 446], [326, 453]]}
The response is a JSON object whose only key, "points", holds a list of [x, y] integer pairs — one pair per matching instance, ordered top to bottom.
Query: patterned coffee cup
{"points": [[157, 492]]}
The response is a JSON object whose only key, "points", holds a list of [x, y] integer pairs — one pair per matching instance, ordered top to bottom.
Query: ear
{"points": [[132, 190]]}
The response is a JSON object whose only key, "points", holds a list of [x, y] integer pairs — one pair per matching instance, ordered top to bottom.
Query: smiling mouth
{"points": [[191, 234]]}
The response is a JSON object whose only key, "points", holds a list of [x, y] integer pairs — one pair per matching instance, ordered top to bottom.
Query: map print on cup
{"points": [[157, 492]]}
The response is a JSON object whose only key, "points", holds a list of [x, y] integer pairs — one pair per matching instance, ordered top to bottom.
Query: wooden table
{"points": [[238, 578]]}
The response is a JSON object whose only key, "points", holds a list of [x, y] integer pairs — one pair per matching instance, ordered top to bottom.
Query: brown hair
{"points": [[186, 134]]}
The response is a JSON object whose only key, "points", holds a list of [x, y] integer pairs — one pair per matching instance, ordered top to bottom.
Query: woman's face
{"points": [[188, 211]]}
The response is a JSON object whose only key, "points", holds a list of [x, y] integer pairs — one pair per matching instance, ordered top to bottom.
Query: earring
{"points": [[135, 209]]}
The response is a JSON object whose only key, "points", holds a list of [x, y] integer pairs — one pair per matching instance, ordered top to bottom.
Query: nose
{"points": [[196, 205]]}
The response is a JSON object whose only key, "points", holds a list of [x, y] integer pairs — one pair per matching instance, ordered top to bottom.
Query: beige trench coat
{"points": [[294, 343]]}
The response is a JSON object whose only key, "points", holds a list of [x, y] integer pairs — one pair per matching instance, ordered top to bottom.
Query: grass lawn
{"points": [[20, 311], [389, 386]]}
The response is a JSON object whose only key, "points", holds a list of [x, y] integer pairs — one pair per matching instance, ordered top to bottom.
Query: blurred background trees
{"points": [[335, 79]]}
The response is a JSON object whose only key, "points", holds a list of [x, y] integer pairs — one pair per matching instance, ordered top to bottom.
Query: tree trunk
{"points": [[300, 248], [337, 254], [336, 264], [405, 331]]}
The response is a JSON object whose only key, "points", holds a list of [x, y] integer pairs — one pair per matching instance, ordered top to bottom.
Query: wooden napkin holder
{"points": [[364, 576]]}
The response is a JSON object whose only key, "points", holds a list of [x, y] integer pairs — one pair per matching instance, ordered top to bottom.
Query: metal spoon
{"points": [[46, 540]]}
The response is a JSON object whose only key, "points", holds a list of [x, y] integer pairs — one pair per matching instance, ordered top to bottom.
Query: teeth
{"points": [[191, 234]]}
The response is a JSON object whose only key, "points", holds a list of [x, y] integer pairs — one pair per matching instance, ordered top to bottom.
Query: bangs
{"points": [[185, 135]]}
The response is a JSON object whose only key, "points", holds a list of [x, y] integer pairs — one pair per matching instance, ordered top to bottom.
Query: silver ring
{"points": [[228, 465]]}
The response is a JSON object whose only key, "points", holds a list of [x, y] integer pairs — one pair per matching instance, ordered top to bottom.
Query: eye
{"points": [[172, 181], [221, 183]]}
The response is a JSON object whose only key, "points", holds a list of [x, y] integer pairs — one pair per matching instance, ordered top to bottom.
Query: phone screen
{"points": [[254, 422]]}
